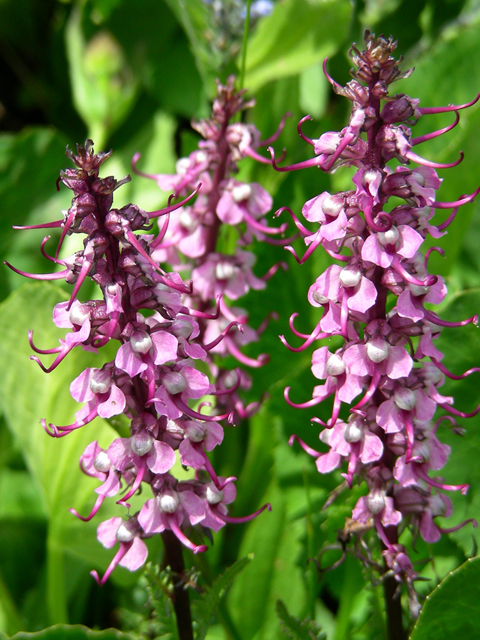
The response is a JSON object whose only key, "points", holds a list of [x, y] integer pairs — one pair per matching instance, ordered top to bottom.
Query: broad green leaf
{"points": [[285, 43], [27, 395], [19, 497], [274, 540], [451, 610], [73, 632]]}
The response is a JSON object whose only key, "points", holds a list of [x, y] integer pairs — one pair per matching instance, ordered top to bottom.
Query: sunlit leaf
{"points": [[451, 610]]}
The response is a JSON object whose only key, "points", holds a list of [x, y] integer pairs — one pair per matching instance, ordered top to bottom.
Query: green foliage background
{"points": [[131, 74]]}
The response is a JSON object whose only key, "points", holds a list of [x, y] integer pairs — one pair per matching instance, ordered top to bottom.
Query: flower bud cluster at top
{"points": [[191, 241], [388, 372], [155, 376]]}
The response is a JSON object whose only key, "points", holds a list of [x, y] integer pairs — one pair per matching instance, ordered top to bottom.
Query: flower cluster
{"points": [[193, 240], [154, 378], [385, 379]]}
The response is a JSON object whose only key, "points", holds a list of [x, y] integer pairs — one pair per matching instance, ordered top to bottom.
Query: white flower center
{"points": [[182, 166], [241, 192], [332, 206], [389, 237], [224, 270], [350, 276], [319, 298], [78, 314], [140, 342], [377, 350], [335, 366], [100, 381], [174, 382], [404, 398], [195, 431], [353, 431], [141, 443], [102, 462], [213, 495], [169, 502], [376, 502], [124, 534]]}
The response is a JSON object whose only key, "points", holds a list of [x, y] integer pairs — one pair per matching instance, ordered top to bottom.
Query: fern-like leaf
{"points": [[206, 606], [296, 630]]}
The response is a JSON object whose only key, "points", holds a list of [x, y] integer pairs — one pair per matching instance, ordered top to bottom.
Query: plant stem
{"points": [[181, 599], [393, 603], [394, 609]]}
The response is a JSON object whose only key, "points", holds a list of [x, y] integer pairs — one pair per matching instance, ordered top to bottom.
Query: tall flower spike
{"points": [[192, 240], [153, 378], [385, 379]]}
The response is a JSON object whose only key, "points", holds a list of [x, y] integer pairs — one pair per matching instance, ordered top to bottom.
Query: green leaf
{"points": [[285, 43], [27, 395], [275, 541], [206, 607], [451, 610], [296, 630], [73, 632]]}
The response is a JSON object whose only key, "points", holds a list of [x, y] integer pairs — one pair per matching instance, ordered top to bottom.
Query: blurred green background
{"points": [[131, 74]]}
